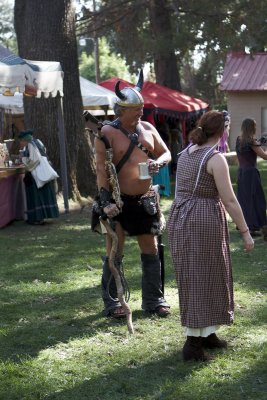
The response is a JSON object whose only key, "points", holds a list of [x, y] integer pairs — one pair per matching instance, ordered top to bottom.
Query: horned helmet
{"points": [[130, 96]]}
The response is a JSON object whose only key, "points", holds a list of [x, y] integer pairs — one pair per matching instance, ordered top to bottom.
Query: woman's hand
{"points": [[248, 241]]}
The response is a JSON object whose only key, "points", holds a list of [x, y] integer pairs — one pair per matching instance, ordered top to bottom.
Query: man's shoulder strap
{"points": [[114, 124], [105, 141], [125, 157]]}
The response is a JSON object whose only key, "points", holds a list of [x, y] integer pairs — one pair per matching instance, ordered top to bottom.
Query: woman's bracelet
{"points": [[242, 233]]}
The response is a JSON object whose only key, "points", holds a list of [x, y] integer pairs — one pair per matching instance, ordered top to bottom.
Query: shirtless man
{"points": [[132, 220]]}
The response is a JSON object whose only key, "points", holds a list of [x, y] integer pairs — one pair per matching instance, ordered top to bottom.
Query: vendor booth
{"points": [[32, 78], [94, 97], [166, 102], [12, 195]]}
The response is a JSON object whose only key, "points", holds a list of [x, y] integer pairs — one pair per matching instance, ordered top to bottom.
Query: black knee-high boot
{"points": [[109, 290], [152, 296]]}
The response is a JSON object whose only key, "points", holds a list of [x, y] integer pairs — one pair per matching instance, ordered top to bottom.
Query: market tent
{"points": [[33, 78], [36, 78], [94, 97], [167, 102], [172, 102], [12, 104]]}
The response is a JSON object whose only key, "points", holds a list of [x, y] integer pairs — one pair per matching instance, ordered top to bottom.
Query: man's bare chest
{"points": [[139, 150]]}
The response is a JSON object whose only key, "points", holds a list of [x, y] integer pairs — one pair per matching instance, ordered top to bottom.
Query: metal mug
{"points": [[143, 171]]}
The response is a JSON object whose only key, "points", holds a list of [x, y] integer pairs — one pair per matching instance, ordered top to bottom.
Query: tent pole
{"points": [[63, 162]]}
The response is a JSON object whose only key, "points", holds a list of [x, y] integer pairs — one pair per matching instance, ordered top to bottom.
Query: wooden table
{"points": [[12, 195]]}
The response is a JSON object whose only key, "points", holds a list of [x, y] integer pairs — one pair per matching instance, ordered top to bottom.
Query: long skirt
{"points": [[251, 198], [41, 203], [199, 245]]}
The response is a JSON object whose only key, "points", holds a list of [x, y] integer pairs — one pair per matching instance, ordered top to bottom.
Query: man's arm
{"points": [[161, 151], [101, 173], [104, 190]]}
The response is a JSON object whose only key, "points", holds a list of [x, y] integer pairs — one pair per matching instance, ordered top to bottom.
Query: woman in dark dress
{"points": [[250, 193], [41, 202]]}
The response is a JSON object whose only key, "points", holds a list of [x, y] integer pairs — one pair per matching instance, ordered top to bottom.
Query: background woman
{"points": [[250, 193], [41, 202], [199, 238]]}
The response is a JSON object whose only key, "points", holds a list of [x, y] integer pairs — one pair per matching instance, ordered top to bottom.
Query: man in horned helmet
{"points": [[132, 141]]}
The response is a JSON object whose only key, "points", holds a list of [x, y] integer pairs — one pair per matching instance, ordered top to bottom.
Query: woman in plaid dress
{"points": [[199, 239]]}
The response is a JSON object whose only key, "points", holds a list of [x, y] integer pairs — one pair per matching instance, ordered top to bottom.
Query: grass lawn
{"points": [[56, 344]]}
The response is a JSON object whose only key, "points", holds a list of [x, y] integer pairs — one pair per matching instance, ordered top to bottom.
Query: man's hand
{"points": [[154, 166], [111, 210]]}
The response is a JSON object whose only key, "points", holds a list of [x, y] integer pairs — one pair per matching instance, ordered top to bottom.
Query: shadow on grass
{"points": [[52, 319], [47, 328], [169, 379]]}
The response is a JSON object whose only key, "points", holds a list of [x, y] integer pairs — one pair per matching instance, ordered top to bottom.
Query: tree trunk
{"points": [[46, 32], [165, 61]]}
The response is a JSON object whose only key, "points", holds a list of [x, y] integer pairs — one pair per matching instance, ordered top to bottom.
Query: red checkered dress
{"points": [[199, 243]]}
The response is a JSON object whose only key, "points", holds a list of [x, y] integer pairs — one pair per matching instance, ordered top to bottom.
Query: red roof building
{"points": [[245, 82]]}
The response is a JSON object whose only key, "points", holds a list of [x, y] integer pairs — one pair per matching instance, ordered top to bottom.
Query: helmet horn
{"points": [[140, 82], [118, 92]]}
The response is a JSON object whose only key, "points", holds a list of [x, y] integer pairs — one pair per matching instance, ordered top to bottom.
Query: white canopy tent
{"points": [[36, 78], [94, 97], [13, 104]]}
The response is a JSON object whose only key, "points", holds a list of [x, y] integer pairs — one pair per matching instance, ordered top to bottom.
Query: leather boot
{"points": [[109, 290], [152, 296], [213, 342], [193, 349]]}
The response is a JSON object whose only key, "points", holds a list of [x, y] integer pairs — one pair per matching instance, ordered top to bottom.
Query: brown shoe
{"points": [[162, 311], [213, 342], [193, 350]]}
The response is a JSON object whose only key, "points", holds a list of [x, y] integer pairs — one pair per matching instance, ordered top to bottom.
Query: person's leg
{"points": [[108, 286], [152, 296]]}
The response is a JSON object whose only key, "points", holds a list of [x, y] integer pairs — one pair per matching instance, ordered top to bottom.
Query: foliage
{"points": [[209, 28], [7, 32], [111, 64], [56, 344]]}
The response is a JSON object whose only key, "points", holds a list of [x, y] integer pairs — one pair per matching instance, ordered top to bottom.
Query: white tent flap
{"points": [[46, 77], [94, 95]]}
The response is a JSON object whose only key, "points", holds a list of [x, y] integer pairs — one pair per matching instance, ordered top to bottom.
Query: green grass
{"points": [[56, 344]]}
